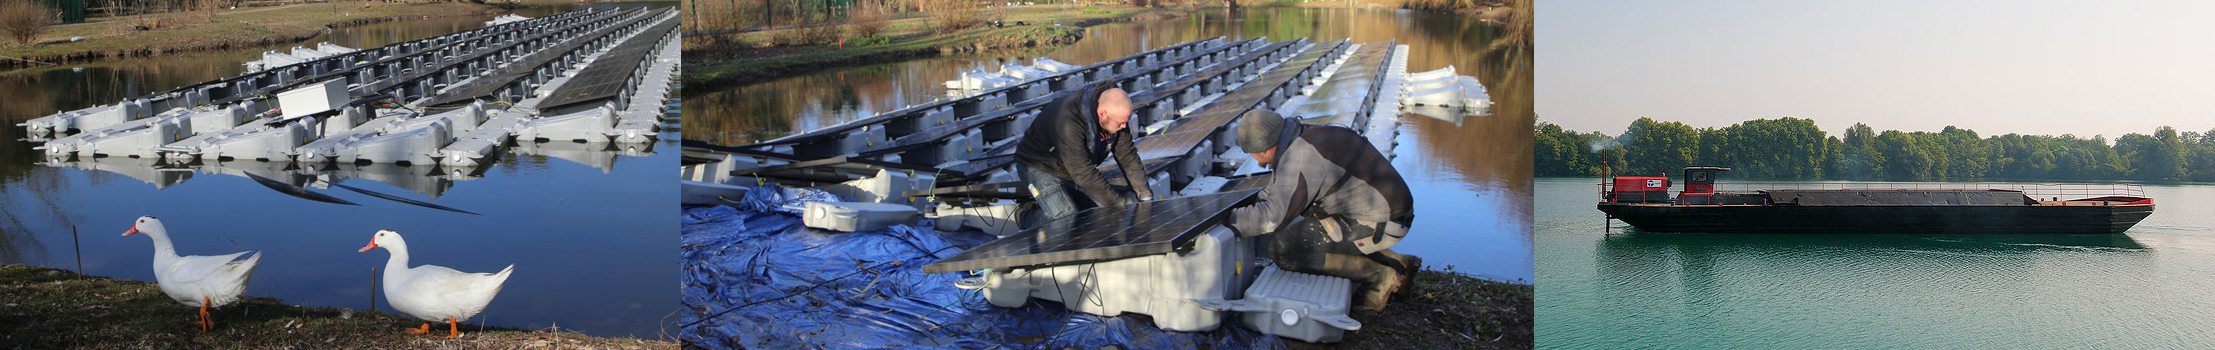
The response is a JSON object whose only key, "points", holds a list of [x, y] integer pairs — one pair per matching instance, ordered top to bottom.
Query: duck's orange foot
{"points": [[207, 323], [426, 329], [452, 330]]}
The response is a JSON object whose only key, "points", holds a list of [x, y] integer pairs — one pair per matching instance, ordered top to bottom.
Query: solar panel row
{"points": [[610, 74], [1102, 233]]}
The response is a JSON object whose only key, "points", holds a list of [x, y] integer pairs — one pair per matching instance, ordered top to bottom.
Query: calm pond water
{"points": [[1471, 179], [586, 226], [1620, 288]]}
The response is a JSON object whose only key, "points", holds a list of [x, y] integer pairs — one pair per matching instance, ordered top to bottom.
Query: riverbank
{"points": [[113, 38], [713, 61], [47, 308], [1447, 310]]}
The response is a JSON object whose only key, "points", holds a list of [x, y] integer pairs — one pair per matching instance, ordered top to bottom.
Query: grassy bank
{"points": [[110, 38], [718, 60], [43, 308], [1447, 310]]}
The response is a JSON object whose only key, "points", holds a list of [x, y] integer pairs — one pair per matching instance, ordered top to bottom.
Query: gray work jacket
{"points": [[1334, 171]]}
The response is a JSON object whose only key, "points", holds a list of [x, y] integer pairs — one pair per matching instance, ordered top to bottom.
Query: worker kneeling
{"points": [[1070, 138], [1335, 203]]}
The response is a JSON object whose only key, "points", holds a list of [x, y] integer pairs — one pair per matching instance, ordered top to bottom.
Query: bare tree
{"points": [[209, 7], [869, 17], [24, 20]]}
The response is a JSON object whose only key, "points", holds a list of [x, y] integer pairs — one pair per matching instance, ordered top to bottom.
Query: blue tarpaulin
{"points": [[754, 277]]}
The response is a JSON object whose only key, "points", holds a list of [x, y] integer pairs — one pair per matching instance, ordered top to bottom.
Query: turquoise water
{"points": [[1615, 287]]}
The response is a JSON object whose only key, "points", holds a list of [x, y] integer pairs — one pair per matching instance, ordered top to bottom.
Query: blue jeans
{"points": [[1056, 196]]}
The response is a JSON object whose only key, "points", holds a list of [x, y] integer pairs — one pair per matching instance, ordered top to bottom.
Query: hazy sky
{"points": [[1997, 67]]}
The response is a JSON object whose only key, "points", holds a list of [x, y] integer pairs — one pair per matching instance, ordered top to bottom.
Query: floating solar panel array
{"points": [[418, 114], [973, 136], [1103, 233]]}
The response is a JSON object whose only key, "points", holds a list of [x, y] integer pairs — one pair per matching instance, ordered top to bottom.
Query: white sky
{"points": [[1997, 67]]}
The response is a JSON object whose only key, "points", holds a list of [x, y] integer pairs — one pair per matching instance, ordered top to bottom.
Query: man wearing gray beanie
{"points": [[1335, 202]]}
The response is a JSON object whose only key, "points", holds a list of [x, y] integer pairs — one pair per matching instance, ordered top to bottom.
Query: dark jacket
{"points": [[1066, 141], [1336, 171]]}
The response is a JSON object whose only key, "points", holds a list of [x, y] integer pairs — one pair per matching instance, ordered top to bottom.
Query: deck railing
{"points": [[2063, 191]]}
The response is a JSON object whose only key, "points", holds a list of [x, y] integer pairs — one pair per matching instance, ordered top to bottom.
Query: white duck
{"points": [[196, 280], [433, 292]]}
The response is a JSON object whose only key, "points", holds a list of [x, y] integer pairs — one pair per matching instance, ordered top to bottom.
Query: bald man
{"points": [[1065, 146]]}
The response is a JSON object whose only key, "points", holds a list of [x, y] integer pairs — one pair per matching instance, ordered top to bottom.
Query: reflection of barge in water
{"points": [[1645, 202]]}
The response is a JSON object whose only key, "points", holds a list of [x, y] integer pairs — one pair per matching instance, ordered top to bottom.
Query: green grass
{"points": [[193, 31], [879, 39], [44, 308], [1446, 310]]}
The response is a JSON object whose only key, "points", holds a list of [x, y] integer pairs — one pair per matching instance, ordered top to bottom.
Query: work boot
{"points": [[1408, 266], [1414, 266], [1378, 282]]}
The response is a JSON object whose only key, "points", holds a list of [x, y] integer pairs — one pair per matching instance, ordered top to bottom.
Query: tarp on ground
{"points": [[754, 277]]}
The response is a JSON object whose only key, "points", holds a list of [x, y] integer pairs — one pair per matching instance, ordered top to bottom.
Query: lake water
{"points": [[1471, 179], [586, 226], [1615, 287]]}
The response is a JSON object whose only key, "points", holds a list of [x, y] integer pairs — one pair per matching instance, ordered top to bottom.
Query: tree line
{"points": [[1795, 149]]}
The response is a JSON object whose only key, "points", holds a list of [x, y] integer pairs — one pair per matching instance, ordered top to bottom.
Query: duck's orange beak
{"points": [[134, 229], [365, 249]]}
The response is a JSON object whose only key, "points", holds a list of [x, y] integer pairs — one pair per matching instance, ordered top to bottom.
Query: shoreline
{"points": [[274, 31], [713, 64], [708, 74], [56, 308]]}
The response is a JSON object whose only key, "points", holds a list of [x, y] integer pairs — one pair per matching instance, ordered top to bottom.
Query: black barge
{"points": [[1646, 203]]}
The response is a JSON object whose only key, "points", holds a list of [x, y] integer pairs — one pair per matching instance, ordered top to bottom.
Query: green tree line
{"points": [[1795, 149]]}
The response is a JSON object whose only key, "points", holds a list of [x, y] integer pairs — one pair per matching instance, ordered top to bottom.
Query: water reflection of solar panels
{"points": [[1171, 145], [1103, 233]]}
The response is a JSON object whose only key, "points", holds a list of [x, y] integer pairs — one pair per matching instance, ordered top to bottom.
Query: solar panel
{"points": [[438, 62], [609, 74], [492, 83], [1176, 87], [1229, 107], [882, 118], [1210, 120], [933, 135], [1171, 145], [983, 166], [1114, 173], [1248, 182], [1102, 233]]}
